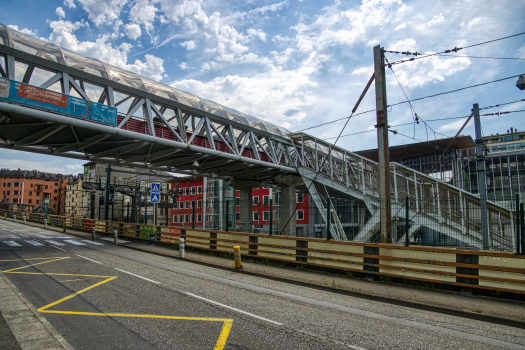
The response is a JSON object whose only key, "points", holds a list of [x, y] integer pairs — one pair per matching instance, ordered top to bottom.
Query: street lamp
{"points": [[521, 82]]}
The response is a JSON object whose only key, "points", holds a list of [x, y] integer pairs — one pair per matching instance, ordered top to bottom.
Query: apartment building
{"points": [[25, 190]]}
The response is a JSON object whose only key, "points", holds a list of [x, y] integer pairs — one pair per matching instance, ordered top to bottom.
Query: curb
{"points": [[55, 335]]}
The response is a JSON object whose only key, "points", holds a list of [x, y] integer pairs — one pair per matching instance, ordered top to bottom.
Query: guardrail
{"points": [[464, 269]]}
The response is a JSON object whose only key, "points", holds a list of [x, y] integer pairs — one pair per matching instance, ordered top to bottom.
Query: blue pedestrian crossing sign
{"points": [[155, 187], [155, 198]]}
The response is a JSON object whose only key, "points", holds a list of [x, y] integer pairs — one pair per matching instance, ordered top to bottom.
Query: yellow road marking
{"points": [[219, 345]]}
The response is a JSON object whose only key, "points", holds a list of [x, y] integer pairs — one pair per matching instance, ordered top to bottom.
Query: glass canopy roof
{"points": [[55, 53]]}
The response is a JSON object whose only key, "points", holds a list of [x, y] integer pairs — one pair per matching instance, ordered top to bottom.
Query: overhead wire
{"points": [[455, 49], [414, 99], [502, 104]]}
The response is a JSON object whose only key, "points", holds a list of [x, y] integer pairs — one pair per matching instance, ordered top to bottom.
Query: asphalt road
{"points": [[108, 297]]}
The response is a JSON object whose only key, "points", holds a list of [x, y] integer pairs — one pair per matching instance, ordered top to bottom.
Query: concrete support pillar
{"points": [[245, 208], [287, 209]]}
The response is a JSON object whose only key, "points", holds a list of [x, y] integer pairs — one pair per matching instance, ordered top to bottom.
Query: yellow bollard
{"points": [[64, 227], [237, 256]]}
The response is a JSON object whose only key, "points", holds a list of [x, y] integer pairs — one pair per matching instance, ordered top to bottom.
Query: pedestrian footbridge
{"points": [[57, 102]]}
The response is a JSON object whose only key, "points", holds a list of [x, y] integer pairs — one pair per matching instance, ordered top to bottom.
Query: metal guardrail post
{"points": [[407, 202], [328, 220], [518, 223], [93, 232], [115, 237], [152, 237], [181, 247], [237, 256]]}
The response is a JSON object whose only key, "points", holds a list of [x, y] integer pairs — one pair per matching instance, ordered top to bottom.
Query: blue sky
{"points": [[297, 63]]}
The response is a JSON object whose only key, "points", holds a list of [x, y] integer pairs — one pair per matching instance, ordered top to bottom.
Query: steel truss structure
{"points": [[163, 128]]}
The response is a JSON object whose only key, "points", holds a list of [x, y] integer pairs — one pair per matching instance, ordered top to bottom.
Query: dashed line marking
{"points": [[54, 242], [73, 242], [91, 242], [12, 244], [37, 244], [58, 248], [89, 259], [132, 274], [234, 309]]}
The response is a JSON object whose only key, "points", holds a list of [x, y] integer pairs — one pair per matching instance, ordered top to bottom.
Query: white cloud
{"points": [[70, 4], [103, 11], [60, 12], [143, 12], [437, 19], [401, 26], [24, 30], [132, 31], [256, 33], [63, 35], [189, 45], [404, 45], [183, 65], [363, 71], [269, 95], [47, 167]]}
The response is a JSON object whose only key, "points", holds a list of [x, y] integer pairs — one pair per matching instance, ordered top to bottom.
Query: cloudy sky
{"points": [[299, 63]]}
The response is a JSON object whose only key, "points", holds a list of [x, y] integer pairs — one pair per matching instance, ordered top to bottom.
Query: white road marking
{"points": [[21, 234], [36, 240], [111, 240], [53, 242], [73, 242], [91, 242], [35, 243], [12, 244], [58, 248], [89, 259], [132, 274], [234, 309]]}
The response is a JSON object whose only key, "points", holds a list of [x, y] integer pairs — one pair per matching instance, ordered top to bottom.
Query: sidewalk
{"points": [[488, 309], [22, 326]]}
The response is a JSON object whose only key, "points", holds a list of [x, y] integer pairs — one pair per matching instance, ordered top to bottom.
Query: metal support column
{"points": [[383, 147], [482, 179], [106, 197]]}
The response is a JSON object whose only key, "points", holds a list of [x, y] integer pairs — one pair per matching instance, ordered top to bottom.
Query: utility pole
{"points": [[383, 146], [482, 179], [106, 197]]}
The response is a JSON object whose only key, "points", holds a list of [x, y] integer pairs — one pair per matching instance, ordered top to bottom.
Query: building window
{"points": [[56, 183], [3, 185], [31, 185], [47, 187], [199, 189], [193, 190], [56, 191], [181, 191], [187, 191], [8, 193], [15, 193], [30, 193], [300, 198], [255, 199], [15, 200], [266, 200], [29, 201], [37, 201], [237, 201], [187, 204], [199, 204], [181, 205], [300, 215], [237, 216], [255, 216], [266, 216], [199, 217], [175, 218], [181, 218], [186, 218], [299, 231]]}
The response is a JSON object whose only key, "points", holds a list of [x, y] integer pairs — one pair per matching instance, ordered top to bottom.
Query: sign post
{"points": [[155, 199], [46, 202]]}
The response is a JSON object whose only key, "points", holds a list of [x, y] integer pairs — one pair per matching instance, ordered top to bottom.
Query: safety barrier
{"points": [[471, 269]]}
